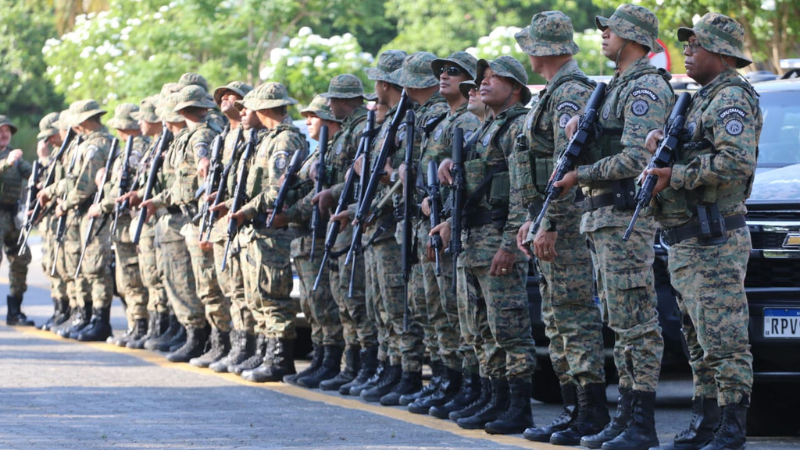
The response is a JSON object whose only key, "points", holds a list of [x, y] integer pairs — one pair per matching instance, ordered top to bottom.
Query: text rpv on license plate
{"points": [[781, 323]]}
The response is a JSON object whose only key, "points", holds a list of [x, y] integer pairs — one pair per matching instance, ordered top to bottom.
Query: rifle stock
{"points": [[155, 166], [124, 180], [222, 184], [457, 191], [238, 194], [316, 214], [435, 241]]}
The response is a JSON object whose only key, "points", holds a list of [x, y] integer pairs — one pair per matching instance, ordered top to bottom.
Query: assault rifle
{"points": [[664, 156], [566, 163], [155, 166], [212, 179], [289, 180], [124, 181], [409, 186], [221, 187], [347, 191], [457, 192], [238, 193], [433, 196], [98, 197], [30, 202], [37, 213], [316, 214], [61, 227]]}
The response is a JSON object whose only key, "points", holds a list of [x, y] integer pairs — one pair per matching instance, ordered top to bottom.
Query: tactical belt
{"points": [[598, 201], [9, 207], [189, 209], [480, 217], [675, 235]]}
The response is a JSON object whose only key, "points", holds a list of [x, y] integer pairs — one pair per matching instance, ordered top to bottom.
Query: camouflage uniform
{"points": [[715, 166]]}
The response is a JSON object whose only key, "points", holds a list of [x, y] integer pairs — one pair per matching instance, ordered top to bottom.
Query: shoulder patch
{"points": [[643, 91], [568, 104], [640, 107], [732, 110], [606, 112], [563, 120], [691, 127], [734, 127], [437, 134], [467, 135], [487, 139], [339, 148], [201, 149], [91, 150], [280, 163]]}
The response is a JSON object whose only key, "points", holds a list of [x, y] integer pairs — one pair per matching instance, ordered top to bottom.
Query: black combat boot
{"points": [[56, 312], [14, 314], [63, 315], [66, 321], [80, 322], [157, 325], [99, 329], [137, 331], [196, 339], [236, 340], [160, 341], [177, 341], [220, 346], [254, 360], [278, 362], [316, 363], [331, 364], [369, 365], [352, 366], [437, 368], [386, 382], [410, 382], [449, 386], [469, 391], [569, 398], [483, 399], [491, 411], [518, 416], [592, 416], [705, 418], [618, 423], [641, 431], [731, 432]]}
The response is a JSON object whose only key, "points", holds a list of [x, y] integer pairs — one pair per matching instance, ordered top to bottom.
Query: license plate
{"points": [[781, 323]]}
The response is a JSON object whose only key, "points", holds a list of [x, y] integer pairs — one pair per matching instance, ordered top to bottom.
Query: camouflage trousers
{"points": [[18, 265], [176, 265], [151, 271], [388, 271], [267, 273], [129, 281], [231, 281], [94, 282], [58, 285], [710, 285], [625, 286], [217, 306], [318, 306], [375, 312], [497, 315], [571, 317], [357, 329]]}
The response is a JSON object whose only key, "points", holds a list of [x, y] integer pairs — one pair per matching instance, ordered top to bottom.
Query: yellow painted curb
{"points": [[306, 394]]}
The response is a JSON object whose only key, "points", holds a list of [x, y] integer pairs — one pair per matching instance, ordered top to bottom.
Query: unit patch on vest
{"points": [[647, 92], [571, 105], [640, 107], [733, 110], [606, 112], [563, 120], [734, 127], [437, 134], [467, 135], [487, 139], [339, 147]]}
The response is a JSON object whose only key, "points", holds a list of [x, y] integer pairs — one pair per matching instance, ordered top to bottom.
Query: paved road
{"points": [[59, 394]]}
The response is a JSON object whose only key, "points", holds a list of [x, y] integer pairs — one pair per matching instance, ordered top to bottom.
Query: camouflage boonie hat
{"points": [[634, 23], [718, 33], [549, 34], [463, 60], [388, 62], [508, 67], [416, 71], [193, 79], [344, 86], [466, 86], [237, 87], [170, 88], [193, 96], [266, 96], [319, 107], [166, 109], [83, 110], [147, 110], [123, 119], [63, 120], [6, 121], [48, 126]]}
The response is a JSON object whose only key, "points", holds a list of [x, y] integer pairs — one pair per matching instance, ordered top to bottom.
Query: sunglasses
{"points": [[692, 47], [451, 71]]}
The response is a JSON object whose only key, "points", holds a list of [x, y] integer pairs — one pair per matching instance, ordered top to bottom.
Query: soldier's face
{"points": [[611, 44], [701, 64], [449, 78], [495, 90], [226, 103], [475, 104], [338, 107], [251, 119], [313, 123], [149, 129], [5, 136], [55, 140]]}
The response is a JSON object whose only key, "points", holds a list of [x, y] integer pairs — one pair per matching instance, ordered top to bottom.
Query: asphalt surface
{"points": [[60, 394]]}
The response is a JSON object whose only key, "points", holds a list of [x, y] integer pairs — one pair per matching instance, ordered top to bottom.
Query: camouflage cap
{"points": [[634, 23], [718, 33], [550, 34], [463, 60], [388, 62], [508, 67], [416, 71], [193, 79], [344, 86], [466, 86], [237, 87], [170, 88], [193, 96], [267, 96], [319, 107], [166, 109], [83, 110], [147, 110], [123, 119], [4, 120], [48, 126]]}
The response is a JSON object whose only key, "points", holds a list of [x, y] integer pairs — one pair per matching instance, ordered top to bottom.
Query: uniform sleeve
{"points": [[647, 107], [731, 124], [95, 153], [111, 188], [516, 210]]}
